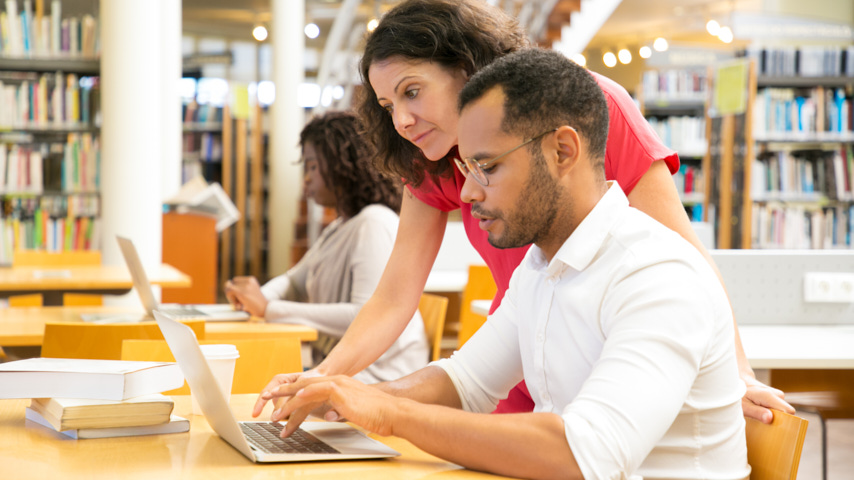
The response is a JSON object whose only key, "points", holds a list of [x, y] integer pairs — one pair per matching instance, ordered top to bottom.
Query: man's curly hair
{"points": [[346, 163]]}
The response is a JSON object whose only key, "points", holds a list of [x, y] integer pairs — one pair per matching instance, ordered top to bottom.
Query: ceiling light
{"points": [[372, 24], [713, 27], [312, 30], [260, 33], [725, 35], [660, 44], [645, 52], [625, 56], [579, 59], [609, 59]]}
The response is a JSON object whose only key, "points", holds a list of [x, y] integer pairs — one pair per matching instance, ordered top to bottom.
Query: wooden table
{"points": [[52, 283], [25, 326], [28, 450]]}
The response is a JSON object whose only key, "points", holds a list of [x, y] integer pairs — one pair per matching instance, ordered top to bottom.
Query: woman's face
{"points": [[421, 98], [315, 185]]}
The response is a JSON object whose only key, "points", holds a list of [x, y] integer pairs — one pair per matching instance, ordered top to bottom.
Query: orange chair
{"points": [[41, 258], [480, 286], [433, 309], [100, 340], [259, 361]]}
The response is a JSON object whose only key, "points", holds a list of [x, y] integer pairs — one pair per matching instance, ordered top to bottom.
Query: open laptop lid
{"points": [[137, 274], [182, 341]]}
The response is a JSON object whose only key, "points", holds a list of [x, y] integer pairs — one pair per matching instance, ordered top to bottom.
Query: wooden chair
{"points": [[41, 258], [480, 286], [433, 310], [100, 340], [259, 361], [774, 451]]}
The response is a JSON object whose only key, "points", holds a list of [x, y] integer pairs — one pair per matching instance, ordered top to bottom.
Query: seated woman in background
{"points": [[328, 286]]}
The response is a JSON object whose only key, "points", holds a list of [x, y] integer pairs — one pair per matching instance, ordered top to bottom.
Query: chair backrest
{"points": [[41, 258], [480, 286], [433, 310], [100, 340], [259, 361], [774, 451]]}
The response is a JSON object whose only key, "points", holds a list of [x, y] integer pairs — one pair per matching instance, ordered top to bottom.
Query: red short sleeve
{"points": [[632, 143], [440, 192]]}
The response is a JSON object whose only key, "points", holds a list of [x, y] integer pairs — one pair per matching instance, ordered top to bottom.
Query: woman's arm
{"points": [[656, 195], [385, 315]]}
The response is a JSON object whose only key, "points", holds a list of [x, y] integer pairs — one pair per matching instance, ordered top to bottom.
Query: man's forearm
{"points": [[530, 445]]}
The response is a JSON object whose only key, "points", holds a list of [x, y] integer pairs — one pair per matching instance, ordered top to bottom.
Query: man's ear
{"points": [[568, 147]]}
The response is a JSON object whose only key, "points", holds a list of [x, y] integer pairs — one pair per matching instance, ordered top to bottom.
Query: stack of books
{"points": [[96, 398]]}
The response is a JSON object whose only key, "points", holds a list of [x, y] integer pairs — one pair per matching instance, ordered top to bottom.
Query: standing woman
{"points": [[415, 63], [328, 286]]}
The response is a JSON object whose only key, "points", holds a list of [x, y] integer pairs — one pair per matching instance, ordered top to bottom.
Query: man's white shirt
{"points": [[626, 334]]}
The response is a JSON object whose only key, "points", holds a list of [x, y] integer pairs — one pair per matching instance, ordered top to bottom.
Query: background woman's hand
{"points": [[245, 294]]}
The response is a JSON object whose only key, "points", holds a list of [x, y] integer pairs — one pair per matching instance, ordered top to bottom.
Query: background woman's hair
{"points": [[467, 34], [346, 163]]}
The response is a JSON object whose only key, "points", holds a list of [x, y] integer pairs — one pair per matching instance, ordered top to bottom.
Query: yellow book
{"points": [[74, 413]]}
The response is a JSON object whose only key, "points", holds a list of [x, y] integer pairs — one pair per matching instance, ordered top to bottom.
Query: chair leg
{"points": [[823, 424]]}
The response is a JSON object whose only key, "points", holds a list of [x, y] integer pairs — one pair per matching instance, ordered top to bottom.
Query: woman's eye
{"points": [[411, 93], [389, 108]]}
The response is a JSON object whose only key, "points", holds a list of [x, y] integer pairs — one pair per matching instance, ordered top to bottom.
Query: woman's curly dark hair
{"points": [[467, 34], [346, 163]]}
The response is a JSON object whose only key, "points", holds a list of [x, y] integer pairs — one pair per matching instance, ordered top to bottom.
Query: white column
{"points": [[132, 69], [286, 121], [170, 125]]}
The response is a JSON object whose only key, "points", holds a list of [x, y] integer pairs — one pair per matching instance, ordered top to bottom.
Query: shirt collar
{"points": [[579, 249]]}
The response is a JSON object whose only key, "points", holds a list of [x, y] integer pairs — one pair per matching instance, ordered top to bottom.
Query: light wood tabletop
{"points": [[53, 282], [25, 326], [28, 450]]}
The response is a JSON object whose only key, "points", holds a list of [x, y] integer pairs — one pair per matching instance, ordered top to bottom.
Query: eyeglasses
{"points": [[472, 166]]}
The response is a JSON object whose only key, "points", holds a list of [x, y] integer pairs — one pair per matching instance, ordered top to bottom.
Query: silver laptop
{"points": [[223, 313], [260, 441]]}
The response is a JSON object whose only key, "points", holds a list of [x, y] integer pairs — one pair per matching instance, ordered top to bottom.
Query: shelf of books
{"points": [[674, 102], [49, 129], [202, 142], [803, 173]]}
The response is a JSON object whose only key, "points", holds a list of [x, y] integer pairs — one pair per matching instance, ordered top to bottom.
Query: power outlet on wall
{"points": [[829, 287]]}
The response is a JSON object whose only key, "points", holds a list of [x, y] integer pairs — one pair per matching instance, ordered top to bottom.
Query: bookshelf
{"points": [[674, 103], [49, 129], [804, 133], [201, 152], [783, 167]]}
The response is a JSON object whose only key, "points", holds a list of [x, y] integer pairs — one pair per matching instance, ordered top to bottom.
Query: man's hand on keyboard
{"points": [[361, 404]]}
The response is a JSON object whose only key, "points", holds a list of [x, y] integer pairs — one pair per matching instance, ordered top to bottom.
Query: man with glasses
{"points": [[619, 327]]}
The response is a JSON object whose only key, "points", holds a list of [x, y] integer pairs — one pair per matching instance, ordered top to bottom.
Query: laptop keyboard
{"points": [[182, 312], [265, 436]]}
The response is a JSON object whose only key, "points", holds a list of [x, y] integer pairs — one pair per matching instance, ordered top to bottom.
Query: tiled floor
{"points": [[840, 451]]}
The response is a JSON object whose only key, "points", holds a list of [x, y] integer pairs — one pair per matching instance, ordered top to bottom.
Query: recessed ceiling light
{"points": [[372, 24], [713, 27], [312, 30], [260, 33], [725, 35], [660, 44], [645, 52], [625, 56], [579, 59], [609, 59]]}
